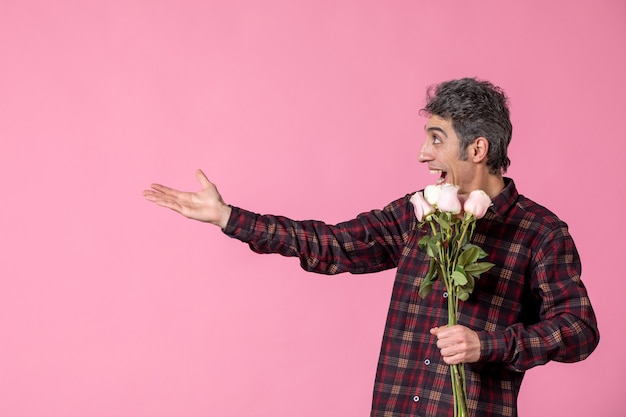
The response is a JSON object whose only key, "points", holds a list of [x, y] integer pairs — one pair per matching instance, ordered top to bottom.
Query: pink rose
{"points": [[431, 193], [448, 199], [477, 203], [422, 207]]}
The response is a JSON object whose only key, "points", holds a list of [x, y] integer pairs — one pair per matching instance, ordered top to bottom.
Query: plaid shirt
{"points": [[530, 308]]}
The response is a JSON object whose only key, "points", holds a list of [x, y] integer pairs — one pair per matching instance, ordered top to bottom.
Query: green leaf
{"points": [[443, 220], [424, 241], [431, 249], [481, 252], [469, 255], [478, 268], [432, 270], [459, 278], [471, 283], [427, 284], [425, 288], [463, 296]]}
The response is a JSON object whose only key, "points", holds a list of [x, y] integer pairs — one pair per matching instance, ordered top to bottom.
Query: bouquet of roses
{"points": [[453, 259]]}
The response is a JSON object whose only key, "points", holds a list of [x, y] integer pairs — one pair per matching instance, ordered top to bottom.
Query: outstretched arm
{"points": [[205, 205]]}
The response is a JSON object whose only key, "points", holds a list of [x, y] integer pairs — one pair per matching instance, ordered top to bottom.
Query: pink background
{"points": [[110, 306]]}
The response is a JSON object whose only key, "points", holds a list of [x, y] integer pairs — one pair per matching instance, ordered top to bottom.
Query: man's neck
{"points": [[490, 183], [494, 184]]}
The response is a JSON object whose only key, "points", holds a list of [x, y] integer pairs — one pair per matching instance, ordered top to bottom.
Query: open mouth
{"points": [[442, 175]]}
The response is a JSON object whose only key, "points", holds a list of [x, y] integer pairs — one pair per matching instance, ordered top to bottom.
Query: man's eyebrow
{"points": [[437, 129]]}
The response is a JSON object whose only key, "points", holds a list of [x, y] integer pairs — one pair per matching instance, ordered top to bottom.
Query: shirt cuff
{"points": [[240, 224], [492, 346]]}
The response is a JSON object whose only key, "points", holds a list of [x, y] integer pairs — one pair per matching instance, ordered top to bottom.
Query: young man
{"points": [[530, 308]]}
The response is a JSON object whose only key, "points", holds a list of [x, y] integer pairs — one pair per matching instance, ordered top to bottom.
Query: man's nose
{"points": [[424, 155]]}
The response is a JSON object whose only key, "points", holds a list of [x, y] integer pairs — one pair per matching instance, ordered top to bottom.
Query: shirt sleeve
{"points": [[372, 242], [567, 328]]}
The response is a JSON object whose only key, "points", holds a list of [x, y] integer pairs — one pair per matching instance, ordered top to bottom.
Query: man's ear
{"points": [[479, 149]]}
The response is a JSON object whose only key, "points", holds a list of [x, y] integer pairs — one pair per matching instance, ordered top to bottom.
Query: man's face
{"points": [[441, 151]]}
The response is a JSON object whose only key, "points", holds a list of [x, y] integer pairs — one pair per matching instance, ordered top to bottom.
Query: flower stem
{"points": [[449, 244], [457, 371]]}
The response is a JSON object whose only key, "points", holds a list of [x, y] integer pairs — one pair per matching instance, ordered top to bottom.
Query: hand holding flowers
{"points": [[453, 258]]}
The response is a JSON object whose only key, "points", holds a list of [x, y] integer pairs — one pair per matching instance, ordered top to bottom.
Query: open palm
{"points": [[205, 205]]}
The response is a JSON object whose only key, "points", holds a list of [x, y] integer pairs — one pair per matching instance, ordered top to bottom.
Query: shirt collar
{"points": [[503, 201]]}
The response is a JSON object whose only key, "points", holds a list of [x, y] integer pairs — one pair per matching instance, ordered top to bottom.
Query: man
{"points": [[530, 308]]}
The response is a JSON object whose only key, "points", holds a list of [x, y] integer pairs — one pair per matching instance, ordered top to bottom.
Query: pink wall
{"points": [[110, 306]]}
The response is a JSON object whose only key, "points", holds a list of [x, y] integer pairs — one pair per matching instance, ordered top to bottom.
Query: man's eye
{"points": [[436, 139]]}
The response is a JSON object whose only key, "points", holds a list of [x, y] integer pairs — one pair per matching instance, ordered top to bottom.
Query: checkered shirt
{"points": [[530, 308]]}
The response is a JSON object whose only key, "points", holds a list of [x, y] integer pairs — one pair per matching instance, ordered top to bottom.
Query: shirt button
{"points": [[445, 294], [427, 362], [416, 398]]}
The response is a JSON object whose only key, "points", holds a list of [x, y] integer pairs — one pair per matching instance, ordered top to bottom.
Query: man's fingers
{"points": [[202, 178], [165, 190], [150, 195], [158, 197], [164, 200], [170, 205], [457, 344], [453, 359]]}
